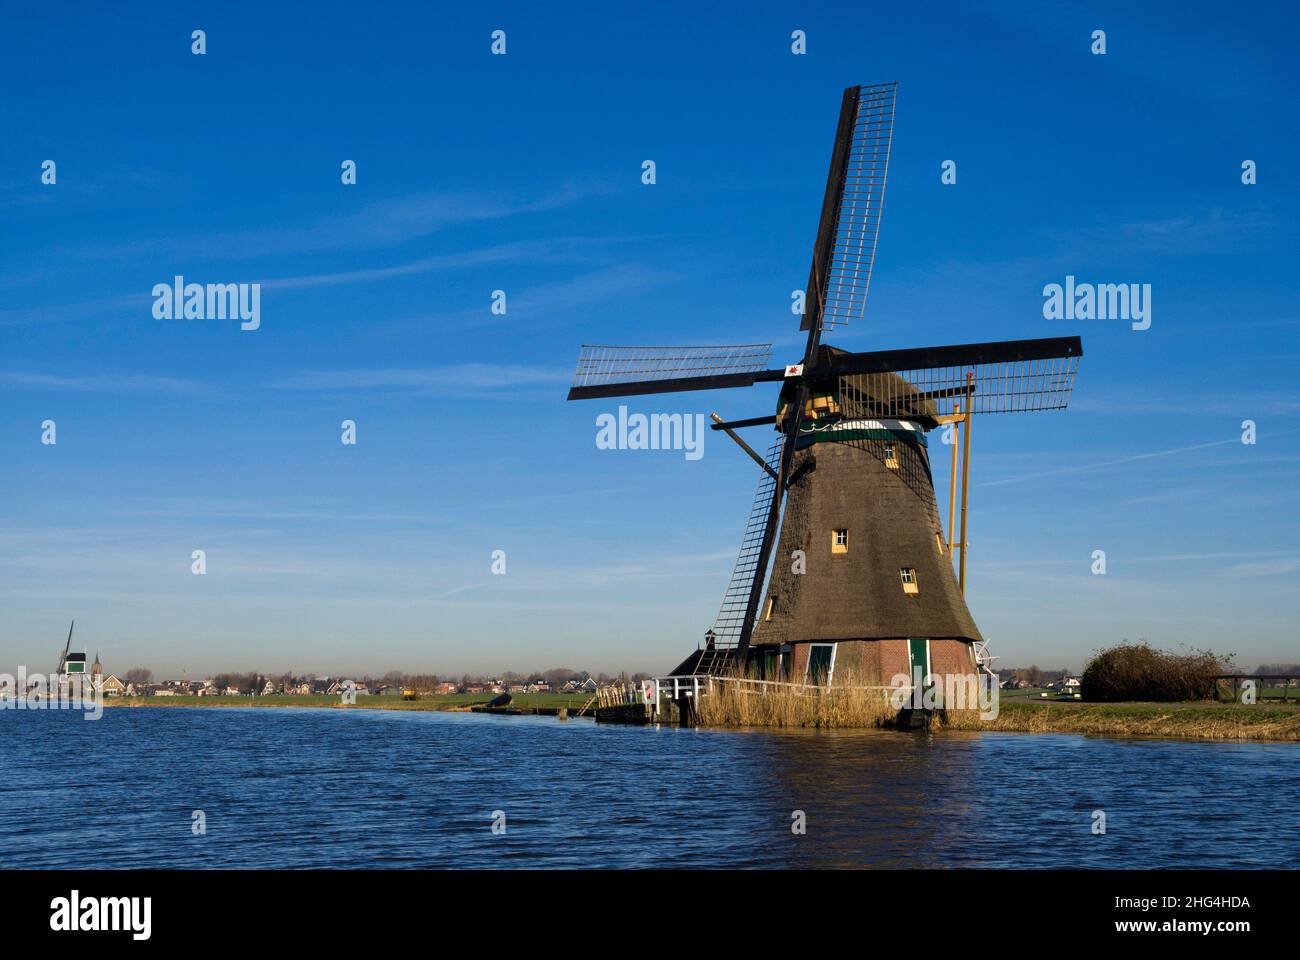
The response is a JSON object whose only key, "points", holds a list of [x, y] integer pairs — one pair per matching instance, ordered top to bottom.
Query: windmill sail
{"points": [[855, 196], [605, 371], [1016, 376], [730, 622], [63, 657]]}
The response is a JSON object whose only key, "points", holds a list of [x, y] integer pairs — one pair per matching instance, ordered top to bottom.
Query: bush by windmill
{"points": [[863, 580]]}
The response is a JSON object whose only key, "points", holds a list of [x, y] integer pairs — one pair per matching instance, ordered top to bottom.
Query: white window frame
{"points": [[830, 669]]}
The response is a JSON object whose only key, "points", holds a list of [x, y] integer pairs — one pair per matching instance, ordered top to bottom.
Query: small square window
{"points": [[891, 456], [840, 540], [908, 575]]}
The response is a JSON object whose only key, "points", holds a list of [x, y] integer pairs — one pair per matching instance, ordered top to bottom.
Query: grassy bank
{"points": [[450, 701], [744, 705], [1201, 721]]}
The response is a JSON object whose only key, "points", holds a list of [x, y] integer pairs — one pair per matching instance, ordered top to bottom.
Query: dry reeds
{"points": [[740, 702]]}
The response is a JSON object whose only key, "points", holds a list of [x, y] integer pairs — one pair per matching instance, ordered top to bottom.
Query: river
{"points": [[373, 788]]}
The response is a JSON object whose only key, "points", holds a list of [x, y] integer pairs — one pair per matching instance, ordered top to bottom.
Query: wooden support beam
{"points": [[743, 445], [965, 481], [952, 485]]}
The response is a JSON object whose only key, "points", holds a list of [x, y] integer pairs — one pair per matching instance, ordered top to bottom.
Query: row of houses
{"points": [[538, 685], [1064, 685], [328, 686]]}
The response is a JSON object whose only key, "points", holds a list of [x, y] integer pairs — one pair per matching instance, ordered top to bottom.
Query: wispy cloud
{"points": [[373, 225], [1178, 235], [556, 250], [559, 298], [80, 310], [449, 380], [102, 383], [1228, 405], [1102, 464], [1264, 568]]}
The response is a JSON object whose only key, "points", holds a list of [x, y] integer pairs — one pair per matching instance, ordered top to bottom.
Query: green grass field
{"points": [[1270, 694], [1194, 720]]}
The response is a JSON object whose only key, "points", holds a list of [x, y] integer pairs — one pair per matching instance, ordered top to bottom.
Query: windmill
{"points": [[874, 587], [70, 662], [71, 671]]}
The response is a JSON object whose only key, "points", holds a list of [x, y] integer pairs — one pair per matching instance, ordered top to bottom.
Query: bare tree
{"points": [[138, 676]]}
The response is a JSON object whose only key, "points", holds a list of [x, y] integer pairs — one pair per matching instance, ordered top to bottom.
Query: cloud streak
{"points": [[374, 225], [448, 380], [102, 383], [1122, 460]]}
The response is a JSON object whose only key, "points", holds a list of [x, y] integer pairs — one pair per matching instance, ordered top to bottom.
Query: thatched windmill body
{"points": [[862, 578]]}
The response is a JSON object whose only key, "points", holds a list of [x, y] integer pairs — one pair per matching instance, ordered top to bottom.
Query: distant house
{"points": [[540, 685], [110, 686], [588, 686], [445, 687], [473, 688], [517, 688], [232, 691], [164, 692]]}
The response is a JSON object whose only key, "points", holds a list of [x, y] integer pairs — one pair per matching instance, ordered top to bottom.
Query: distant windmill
{"points": [[864, 577], [70, 662]]}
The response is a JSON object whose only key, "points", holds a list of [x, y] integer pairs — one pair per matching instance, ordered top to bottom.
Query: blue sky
{"points": [[522, 172]]}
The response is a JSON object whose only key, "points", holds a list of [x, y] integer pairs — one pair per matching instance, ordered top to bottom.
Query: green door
{"points": [[918, 655], [820, 657]]}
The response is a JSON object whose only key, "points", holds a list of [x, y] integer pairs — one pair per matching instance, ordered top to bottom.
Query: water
{"points": [[370, 788]]}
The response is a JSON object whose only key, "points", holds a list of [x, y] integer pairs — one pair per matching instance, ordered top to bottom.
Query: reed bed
{"points": [[735, 702]]}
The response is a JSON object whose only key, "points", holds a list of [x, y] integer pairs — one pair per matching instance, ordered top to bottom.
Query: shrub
{"points": [[1136, 671]]}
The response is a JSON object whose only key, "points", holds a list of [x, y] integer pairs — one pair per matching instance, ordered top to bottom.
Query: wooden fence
{"points": [[1263, 683]]}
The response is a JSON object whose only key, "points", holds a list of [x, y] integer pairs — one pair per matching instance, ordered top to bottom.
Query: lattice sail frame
{"points": [[857, 219], [601, 365], [1015, 386], [731, 615]]}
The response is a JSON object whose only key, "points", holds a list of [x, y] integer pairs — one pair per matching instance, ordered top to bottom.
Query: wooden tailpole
{"points": [[965, 480]]}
